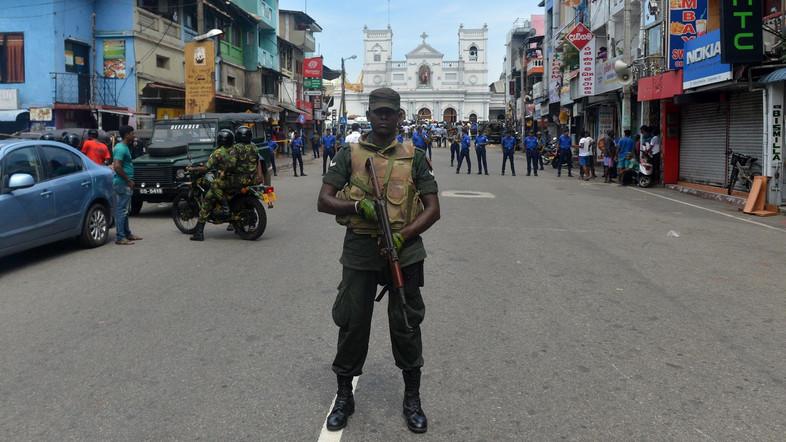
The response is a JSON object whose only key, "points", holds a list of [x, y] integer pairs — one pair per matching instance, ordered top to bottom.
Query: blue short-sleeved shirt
{"points": [[419, 140], [481, 141], [329, 142], [531, 142], [565, 142], [509, 143], [272, 145], [297, 145], [624, 146], [123, 154]]}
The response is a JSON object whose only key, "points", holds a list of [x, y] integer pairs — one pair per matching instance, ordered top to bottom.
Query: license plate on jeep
{"points": [[151, 191]]}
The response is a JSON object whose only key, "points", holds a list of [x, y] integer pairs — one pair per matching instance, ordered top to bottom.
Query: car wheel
{"points": [[95, 229]]}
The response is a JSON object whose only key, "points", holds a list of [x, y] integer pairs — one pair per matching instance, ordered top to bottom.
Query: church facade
{"points": [[431, 87]]}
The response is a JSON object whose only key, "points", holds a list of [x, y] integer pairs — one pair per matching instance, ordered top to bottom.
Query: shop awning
{"points": [[774, 76], [660, 87], [271, 108], [291, 108], [13, 115]]}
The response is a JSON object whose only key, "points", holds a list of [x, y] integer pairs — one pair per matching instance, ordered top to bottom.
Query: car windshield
{"points": [[192, 132]]}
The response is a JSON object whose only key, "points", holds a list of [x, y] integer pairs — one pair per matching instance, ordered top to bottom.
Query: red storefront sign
{"points": [[580, 36], [312, 67], [660, 87], [308, 107]]}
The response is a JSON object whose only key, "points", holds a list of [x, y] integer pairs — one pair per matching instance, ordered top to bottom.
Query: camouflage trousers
{"points": [[214, 197]]}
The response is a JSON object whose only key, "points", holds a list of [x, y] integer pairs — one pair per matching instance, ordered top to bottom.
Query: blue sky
{"points": [[343, 21]]}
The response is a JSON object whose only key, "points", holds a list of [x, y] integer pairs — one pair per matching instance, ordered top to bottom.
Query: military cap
{"points": [[384, 98]]}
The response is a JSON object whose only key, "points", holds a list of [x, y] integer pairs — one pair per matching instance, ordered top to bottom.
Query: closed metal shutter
{"points": [[746, 129], [703, 143]]}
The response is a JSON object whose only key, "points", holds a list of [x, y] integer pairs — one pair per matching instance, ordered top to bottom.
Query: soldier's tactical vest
{"points": [[244, 168], [394, 170]]}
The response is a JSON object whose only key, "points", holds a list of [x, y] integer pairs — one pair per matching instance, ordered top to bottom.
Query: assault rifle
{"points": [[388, 249]]}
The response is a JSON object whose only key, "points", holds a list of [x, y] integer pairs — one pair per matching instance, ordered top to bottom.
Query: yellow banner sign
{"points": [[200, 77]]}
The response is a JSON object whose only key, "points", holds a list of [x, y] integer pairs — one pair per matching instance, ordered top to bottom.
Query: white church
{"points": [[431, 88]]}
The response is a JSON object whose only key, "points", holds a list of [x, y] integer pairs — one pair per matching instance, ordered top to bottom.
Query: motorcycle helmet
{"points": [[92, 133], [243, 135], [49, 136], [225, 138], [73, 140]]}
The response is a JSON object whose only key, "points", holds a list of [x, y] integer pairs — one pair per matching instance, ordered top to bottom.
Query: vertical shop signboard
{"points": [[687, 20], [200, 77]]}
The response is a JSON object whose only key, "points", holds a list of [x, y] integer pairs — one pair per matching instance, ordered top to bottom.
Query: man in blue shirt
{"points": [[400, 136], [419, 139], [531, 144], [273, 146], [624, 147], [508, 149], [329, 150], [480, 150], [464, 153], [565, 153], [297, 154], [123, 184]]}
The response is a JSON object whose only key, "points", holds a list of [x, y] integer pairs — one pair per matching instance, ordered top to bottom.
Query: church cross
{"points": [[424, 36]]}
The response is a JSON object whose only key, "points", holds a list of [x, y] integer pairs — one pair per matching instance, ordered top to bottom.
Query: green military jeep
{"points": [[177, 143]]}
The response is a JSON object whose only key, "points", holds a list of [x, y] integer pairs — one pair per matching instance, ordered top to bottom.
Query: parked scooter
{"points": [[646, 168]]}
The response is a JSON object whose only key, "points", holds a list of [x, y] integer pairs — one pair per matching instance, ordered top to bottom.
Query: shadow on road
{"points": [[155, 210], [38, 255]]}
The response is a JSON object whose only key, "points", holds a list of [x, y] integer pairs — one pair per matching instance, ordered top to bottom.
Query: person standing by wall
{"points": [[531, 145], [625, 146], [655, 152], [609, 157], [123, 182]]}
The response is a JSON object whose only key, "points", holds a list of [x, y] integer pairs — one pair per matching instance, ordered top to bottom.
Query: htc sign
{"points": [[741, 31]]}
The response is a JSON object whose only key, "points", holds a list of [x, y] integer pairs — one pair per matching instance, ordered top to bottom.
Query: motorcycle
{"points": [[550, 153], [646, 169], [246, 215]]}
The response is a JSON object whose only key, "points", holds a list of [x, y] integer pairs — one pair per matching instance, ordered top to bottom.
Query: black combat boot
{"points": [[199, 232], [344, 406], [413, 413]]}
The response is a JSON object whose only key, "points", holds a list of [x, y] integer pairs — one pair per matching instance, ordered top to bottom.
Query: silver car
{"points": [[49, 192]]}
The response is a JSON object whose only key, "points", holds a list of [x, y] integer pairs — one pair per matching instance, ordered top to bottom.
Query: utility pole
{"points": [[200, 6], [626, 56], [343, 94]]}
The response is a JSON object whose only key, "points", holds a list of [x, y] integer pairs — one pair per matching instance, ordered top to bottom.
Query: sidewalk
{"points": [[736, 199]]}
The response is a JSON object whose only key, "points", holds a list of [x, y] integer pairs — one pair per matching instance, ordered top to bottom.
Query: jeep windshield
{"points": [[186, 133]]}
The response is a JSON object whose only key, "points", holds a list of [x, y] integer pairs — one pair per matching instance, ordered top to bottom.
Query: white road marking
{"points": [[466, 194], [718, 212], [334, 436]]}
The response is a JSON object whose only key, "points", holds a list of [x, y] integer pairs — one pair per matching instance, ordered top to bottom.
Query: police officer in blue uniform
{"points": [[532, 145], [273, 146], [480, 149], [329, 150], [508, 151], [464, 152], [565, 153], [297, 154]]}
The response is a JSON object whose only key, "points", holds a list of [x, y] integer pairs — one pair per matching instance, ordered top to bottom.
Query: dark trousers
{"points": [[315, 148], [428, 148], [454, 153], [464, 154], [327, 155], [508, 156], [565, 157], [297, 158], [592, 161], [273, 162], [532, 162], [482, 166], [656, 167], [352, 313]]}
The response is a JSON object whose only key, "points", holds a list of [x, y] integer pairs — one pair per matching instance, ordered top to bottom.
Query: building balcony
{"points": [[268, 15], [157, 28], [303, 40], [231, 53], [267, 60], [535, 66], [84, 89], [538, 91]]}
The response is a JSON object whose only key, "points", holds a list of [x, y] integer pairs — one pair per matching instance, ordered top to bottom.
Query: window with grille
{"points": [[12, 58]]}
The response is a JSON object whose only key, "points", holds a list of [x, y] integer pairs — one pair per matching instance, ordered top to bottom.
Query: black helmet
{"points": [[92, 133], [243, 134], [49, 136], [225, 138], [73, 140]]}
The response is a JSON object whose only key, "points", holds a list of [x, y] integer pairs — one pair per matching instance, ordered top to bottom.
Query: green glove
{"points": [[365, 208], [398, 241]]}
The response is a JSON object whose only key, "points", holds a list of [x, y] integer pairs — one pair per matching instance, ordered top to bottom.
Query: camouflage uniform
{"points": [[223, 162], [245, 170]]}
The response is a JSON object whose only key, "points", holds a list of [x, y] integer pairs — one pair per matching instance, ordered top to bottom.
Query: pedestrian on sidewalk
{"points": [[354, 136], [315, 144], [273, 146], [531, 146], [625, 146], [96, 150], [329, 150], [480, 150], [464, 152], [508, 152], [609, 152], [655, 152], [565, 153], [297, 154], [585, 156], [629, 170], [123, 184], [363, 267]]}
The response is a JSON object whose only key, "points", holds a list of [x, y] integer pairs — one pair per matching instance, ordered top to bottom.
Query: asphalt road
{"points": [[557, 309]]}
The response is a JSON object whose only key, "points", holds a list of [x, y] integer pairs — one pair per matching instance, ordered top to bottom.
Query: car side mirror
{"points": [[20, 181]]}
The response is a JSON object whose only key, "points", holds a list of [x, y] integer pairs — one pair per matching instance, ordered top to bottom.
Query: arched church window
{"points": [[473, 53], [424, 76]]}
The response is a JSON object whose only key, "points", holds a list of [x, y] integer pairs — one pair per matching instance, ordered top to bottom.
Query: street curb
{"points": [[722, 197]]}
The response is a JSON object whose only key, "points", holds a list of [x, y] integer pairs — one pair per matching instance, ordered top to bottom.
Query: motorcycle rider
{"points": [[73, 140], [221, 160], [247, 169]]}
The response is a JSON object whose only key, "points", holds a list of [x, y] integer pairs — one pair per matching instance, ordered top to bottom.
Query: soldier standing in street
{"points": [[345, 193]]}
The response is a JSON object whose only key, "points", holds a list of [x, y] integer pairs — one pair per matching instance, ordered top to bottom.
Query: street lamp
{"points": [[209, 34], [343, 88]]}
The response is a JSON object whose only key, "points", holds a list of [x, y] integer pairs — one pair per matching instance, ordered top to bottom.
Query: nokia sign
{"points": [[741, 31], [703, 53], [703, 62]]}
